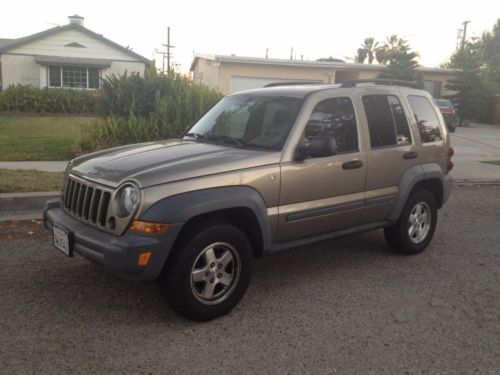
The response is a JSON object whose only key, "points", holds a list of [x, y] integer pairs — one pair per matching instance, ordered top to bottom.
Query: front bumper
{"points": [[117, 253]]}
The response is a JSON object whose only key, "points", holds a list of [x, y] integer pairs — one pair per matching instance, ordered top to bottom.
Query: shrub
{"points": [[25, 98], [138, 109]]}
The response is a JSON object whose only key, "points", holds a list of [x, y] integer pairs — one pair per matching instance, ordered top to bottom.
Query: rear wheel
{"points": [[415, 228], [209, 272]]}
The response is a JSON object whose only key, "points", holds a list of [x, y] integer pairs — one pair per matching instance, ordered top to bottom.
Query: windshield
{"points": [[442, 103], [248, 121]]}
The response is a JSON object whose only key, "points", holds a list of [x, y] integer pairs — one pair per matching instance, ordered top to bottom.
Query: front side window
{"points": [[74, 77], [335, 117], [427, 120], [248, 121], [386, 121]]}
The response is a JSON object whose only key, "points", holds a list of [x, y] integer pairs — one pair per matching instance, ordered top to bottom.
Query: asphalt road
{"points": [[344, 306]]}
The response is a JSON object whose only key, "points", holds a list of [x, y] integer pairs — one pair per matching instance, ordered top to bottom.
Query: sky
{"points": [[314, 29]]}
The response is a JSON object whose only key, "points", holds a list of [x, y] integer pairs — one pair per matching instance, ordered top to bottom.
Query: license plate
{"points": [[62, 240]]}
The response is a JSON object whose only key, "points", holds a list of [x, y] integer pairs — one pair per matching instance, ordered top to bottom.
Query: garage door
{"points": [[248, 83]]}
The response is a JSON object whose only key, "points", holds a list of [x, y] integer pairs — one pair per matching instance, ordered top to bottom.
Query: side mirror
{"points": [[318, 146]]}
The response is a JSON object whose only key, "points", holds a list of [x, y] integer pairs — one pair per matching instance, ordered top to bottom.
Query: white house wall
{"points": [[54, 45], [19, 69]]}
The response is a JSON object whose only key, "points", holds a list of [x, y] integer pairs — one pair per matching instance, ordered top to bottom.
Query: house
{"points": [[69, 56], [235, 73]]}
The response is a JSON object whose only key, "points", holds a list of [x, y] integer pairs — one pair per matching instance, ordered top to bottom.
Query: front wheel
{"points": [[415, 228], [209, 271]]}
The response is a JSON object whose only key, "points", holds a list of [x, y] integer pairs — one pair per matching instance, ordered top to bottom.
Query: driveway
{"points": [[472, 145], [343, 306]]}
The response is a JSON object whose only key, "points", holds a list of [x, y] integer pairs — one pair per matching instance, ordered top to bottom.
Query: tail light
{"points": [[450, 164]]}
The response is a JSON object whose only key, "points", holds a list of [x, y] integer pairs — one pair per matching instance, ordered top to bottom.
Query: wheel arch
{"points": [[428, 176], [241, 206]]}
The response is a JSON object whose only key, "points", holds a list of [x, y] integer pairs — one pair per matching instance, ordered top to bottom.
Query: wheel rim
{"points": [[419, 222], [215, 273]]}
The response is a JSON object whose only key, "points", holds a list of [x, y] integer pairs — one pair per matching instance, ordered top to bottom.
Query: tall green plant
{"points": [[25, 98], [146, 108]]}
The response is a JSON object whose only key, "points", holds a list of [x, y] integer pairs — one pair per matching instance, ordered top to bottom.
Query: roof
{"points": [[4, 42], [14, 43], [307, 63], [297, 91]]}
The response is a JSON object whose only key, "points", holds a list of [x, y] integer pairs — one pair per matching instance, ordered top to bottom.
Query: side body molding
{"points": [[410, 179], [180, 208]]}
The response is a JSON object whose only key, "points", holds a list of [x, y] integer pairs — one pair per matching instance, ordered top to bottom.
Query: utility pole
{"points": [[464, 35], [168, 53]]}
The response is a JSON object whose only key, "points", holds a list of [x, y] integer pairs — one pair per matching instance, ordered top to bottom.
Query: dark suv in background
{"points": [[448, 111]]}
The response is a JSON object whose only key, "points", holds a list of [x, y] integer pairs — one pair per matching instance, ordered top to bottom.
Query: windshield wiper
{"points": [[196, 136], [217, 139], [229, 140]]}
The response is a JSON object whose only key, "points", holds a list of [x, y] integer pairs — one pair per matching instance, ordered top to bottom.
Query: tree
{"points": [[367, 49], [490, 54], [400, 59], [477, 82], [471, 96]]}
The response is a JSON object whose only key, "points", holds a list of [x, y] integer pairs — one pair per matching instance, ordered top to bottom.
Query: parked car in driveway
{"points": [[447, 109], [263, 171]]}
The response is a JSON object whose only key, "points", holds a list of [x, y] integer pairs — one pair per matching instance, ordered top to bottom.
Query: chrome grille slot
{"points": [[87, 201]]}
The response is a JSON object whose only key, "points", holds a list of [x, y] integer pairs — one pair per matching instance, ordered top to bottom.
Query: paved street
{"points": [[342, 306]]}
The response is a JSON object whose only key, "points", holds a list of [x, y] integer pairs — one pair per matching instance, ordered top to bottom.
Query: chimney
{"points": [[76, 19]]}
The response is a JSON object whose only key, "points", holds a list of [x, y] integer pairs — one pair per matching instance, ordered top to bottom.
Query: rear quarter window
{"points": [[426, 118]]}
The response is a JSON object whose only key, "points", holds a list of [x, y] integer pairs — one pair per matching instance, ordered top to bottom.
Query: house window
{"points": [[74, 77]]}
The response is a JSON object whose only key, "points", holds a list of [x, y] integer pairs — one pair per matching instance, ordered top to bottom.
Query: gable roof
{"points": [[8, 44]]}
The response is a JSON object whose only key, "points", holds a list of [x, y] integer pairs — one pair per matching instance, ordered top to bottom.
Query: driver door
{"points": [[324, 194]]}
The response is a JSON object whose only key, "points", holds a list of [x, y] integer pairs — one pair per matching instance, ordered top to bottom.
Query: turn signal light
{"points": [[147, 227], [143, 259]]}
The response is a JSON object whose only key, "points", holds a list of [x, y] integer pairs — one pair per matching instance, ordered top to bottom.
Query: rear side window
{"points": [[335, 117], [427, 120], [386, 121]]}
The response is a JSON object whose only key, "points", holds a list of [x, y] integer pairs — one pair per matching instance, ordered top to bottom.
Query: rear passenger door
{"points": [[392, 149]]}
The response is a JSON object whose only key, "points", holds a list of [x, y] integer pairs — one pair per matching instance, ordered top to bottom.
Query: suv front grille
{"points": [[87, 201]]}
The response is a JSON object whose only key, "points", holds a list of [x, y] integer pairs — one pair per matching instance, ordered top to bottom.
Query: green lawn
{"points": [[39, 137], [495, 162], [20, 181]]}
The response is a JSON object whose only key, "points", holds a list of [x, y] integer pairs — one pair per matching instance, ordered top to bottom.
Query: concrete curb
{"points": [[466, 182], [14, 202]]}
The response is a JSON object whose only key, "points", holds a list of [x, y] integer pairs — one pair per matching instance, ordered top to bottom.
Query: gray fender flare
{"points": [[409, 180], [182, 207]]}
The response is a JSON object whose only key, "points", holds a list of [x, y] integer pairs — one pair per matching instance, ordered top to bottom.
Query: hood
{"points": [[166, 161]]}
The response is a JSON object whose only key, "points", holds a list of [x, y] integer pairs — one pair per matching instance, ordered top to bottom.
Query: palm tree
{"points": [[393, 46], [367, 49]]}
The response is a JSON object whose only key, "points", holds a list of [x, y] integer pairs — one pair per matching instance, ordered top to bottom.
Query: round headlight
{"points": [[129, 199]]}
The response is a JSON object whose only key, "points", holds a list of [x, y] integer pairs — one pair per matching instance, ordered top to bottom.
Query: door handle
{"points": [[410, 155], [353, 164]]}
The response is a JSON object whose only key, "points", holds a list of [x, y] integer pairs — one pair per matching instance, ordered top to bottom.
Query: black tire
{"points": [[398, 236], [189, 298]]}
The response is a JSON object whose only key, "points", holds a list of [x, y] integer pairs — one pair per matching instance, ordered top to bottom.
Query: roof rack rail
{"points": [[388, 82], [293, 83]]}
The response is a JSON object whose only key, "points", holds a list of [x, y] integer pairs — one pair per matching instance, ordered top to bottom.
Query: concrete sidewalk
{"points": [[473, 145]]}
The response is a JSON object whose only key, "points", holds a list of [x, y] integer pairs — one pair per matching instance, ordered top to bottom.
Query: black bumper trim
{"points": [[117, 253]]}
